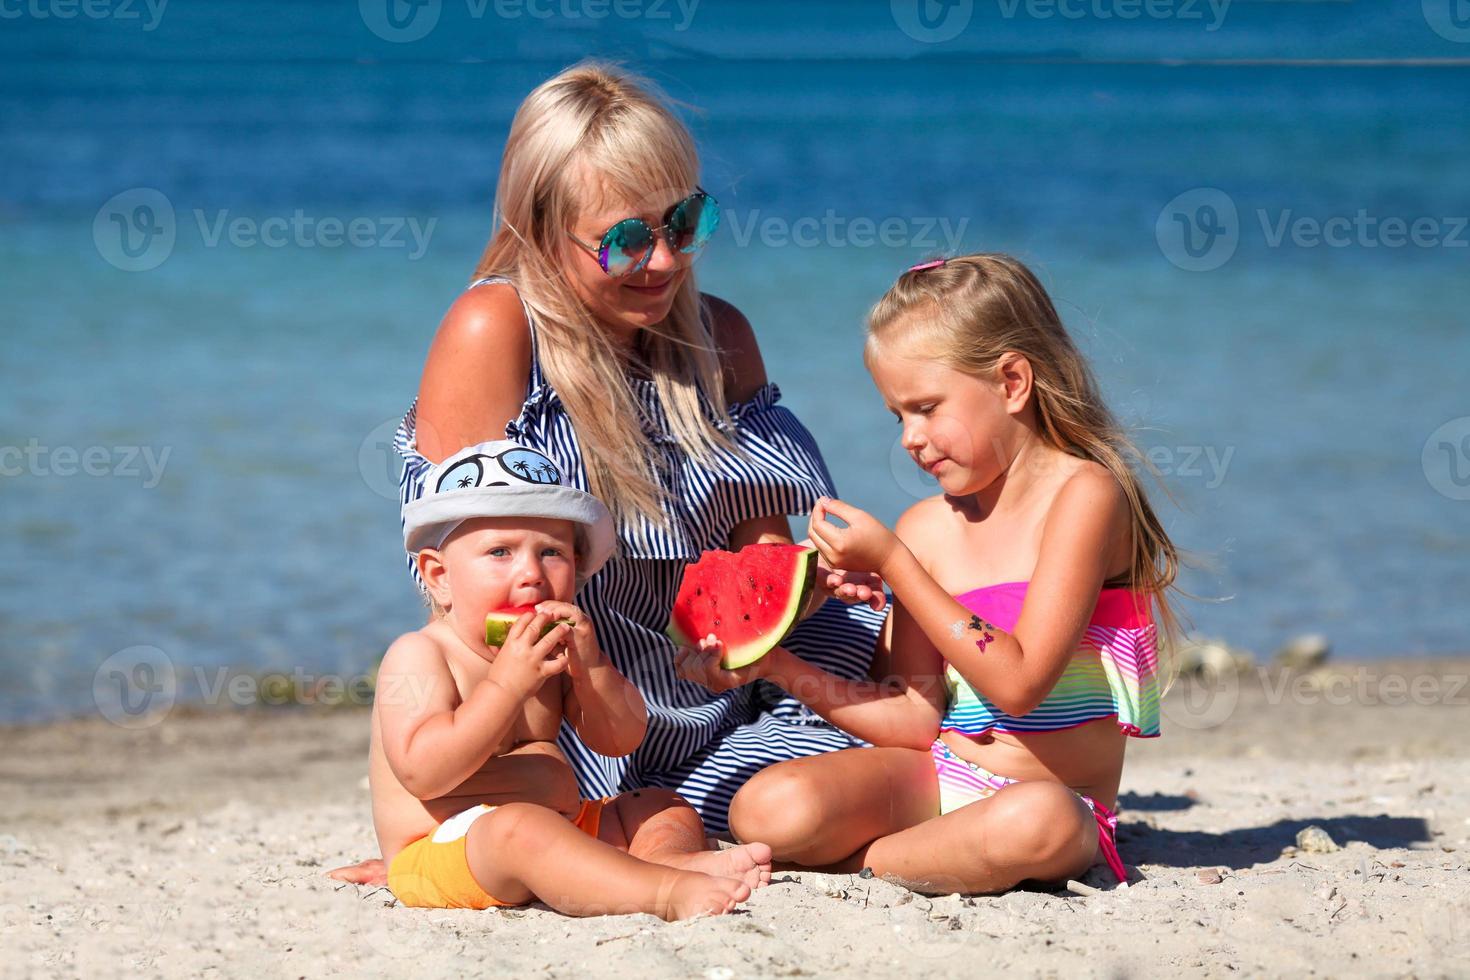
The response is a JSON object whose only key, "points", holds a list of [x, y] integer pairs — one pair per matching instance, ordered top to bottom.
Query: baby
{"points": [[473, 803]]}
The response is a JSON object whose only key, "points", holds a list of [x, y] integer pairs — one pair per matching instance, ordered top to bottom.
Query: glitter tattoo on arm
{"points": [[984, 629]]}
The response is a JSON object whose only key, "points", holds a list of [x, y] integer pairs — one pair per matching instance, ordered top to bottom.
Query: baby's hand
{"points": [[865, 545], [583, 653], [525, 662], [702, 666]]}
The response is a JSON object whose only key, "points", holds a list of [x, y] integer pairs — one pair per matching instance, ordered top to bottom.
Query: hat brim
{"points": [[424, 518]]}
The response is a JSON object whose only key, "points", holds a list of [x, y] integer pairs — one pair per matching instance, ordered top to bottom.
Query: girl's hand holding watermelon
{"points": [[865, 545]]}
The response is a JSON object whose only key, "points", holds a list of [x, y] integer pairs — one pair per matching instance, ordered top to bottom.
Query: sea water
{"points": [[228, 231]]}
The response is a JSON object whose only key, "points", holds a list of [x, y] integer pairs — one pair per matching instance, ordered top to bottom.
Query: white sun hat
{"points": [[504, 479]]}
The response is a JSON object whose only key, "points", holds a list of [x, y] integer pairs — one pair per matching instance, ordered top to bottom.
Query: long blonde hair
{"points": [[597, 118], [974, 309]]}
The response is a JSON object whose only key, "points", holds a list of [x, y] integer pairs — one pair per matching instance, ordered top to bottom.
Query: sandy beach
{"points": [[197, 846]]}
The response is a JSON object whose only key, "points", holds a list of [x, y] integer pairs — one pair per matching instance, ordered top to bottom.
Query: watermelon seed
{"points": [[747, 617]]}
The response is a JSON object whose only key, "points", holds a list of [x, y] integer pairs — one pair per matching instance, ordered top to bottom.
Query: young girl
{"points": [[1021, 645]]}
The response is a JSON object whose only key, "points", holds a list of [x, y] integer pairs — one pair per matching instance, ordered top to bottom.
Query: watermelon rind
{"points": [[498, 624]]}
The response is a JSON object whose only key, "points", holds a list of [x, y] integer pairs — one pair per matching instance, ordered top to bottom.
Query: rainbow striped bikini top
{"points": [[1112, 673]]}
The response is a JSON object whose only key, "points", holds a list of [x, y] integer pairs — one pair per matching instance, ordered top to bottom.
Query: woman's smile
{"points": [[651, 291]]}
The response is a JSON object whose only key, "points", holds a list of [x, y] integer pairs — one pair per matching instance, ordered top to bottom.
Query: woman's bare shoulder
{"points": [[489, 314], [734, 338], [475, 376]]}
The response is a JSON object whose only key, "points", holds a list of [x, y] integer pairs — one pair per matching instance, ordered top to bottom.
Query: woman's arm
{"points": [[474, 379], [1014, 670]]}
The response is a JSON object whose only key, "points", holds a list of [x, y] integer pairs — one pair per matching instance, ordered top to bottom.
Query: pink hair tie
{"points": [[934, 264]]}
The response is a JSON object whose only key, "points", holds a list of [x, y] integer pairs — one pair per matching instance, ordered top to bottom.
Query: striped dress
{"points": [[701, 744]]}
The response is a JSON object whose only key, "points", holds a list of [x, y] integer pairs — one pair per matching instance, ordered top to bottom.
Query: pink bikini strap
{"points": [[1107, 828]]}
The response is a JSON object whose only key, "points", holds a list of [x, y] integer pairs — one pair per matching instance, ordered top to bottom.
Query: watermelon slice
{"points": [[750, 599], [498, 624]]}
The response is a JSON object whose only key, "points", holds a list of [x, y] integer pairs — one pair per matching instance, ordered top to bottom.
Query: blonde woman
{"points": [[584, 336]]}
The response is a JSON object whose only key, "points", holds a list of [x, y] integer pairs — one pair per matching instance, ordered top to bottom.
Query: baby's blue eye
{"points": [[500, 552], [551, 553]]}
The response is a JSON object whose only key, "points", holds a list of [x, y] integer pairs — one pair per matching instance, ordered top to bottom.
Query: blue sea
{"points": [[229, 229]]}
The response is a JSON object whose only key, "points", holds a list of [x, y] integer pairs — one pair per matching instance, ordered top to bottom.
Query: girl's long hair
{"points": [[594, 127], [969, 312]]}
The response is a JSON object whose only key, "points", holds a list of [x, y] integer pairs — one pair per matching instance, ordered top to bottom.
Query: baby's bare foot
{"points": [[749, 863], [693, 894]]}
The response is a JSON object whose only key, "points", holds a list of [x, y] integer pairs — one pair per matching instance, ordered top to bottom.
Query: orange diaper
{"points": [[434, 873]]}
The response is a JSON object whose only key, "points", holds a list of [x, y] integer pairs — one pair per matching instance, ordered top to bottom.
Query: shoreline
{"points": [[281, 692], [200, 844]]}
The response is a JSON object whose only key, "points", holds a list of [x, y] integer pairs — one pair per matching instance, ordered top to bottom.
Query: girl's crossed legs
{"points": [[879, 808]]}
